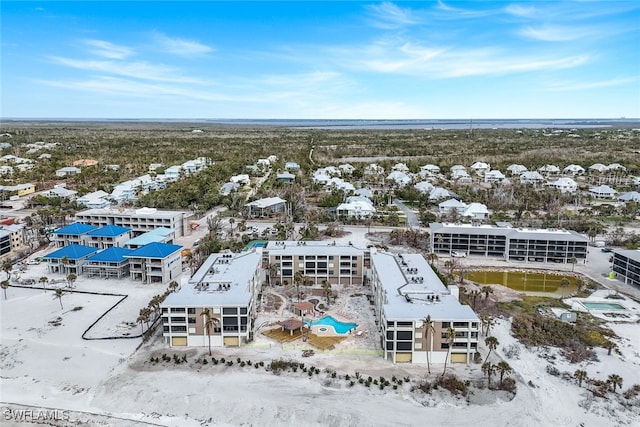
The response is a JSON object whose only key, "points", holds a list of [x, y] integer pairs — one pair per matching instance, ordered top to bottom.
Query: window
{"points": [[300, 257], [177, 310], [191, 310], [230, 310], [243, 310], [178, 319], [192, 320], [445, 325], [165, 329], [178, 329], [405, 335], [404, 345]]}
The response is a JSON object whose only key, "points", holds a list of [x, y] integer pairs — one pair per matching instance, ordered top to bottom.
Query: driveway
{"points": [[412, 219]]}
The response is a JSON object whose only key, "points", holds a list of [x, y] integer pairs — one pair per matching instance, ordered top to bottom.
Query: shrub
{"points": [[351, 383], [453, 384], [508, 384], [424, 386]]}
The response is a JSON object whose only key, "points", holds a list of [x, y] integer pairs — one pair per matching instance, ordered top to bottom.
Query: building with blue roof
{"points": [[74, 233], [158, 235], [108, 236], [69, 259], [108, 263], [155, 263]]}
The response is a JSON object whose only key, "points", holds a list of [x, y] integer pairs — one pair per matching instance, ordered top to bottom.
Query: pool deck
{"points": [[629, 313]]}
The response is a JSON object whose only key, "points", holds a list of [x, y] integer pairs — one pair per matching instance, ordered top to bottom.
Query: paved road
{"points": [[412, 219]]}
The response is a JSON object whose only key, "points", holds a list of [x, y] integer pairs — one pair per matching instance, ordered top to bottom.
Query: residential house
{"points": [[85, 162], [292, 166], [400, 167], [346, 168], [480, 168], [598, 168], [516, 169], [373, 170], [549, 170], [573, 170], [68, 171], [173, 172], [494, 176], [285, 177], [531, 177], [399, 178], [242, 179], [565, 185], [424, 187], [228, 188], [60, 190], [602, 192], [439, 193], [631, 196], [95, 200], [266, 207], [356, 207], [451, 207], [476, 211], [157, 235]]}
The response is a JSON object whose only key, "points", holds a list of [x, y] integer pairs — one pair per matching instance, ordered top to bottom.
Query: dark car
{"points": [[606, 250]]}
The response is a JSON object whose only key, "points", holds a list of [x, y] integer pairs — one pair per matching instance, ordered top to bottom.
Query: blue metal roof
{"points": [[76, 228], [109, 231], [162, 231], [154, 250], [72, 251], [112, 254]]}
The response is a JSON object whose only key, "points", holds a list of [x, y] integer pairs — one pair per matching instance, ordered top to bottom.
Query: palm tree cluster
{"points": [[502, 367]]}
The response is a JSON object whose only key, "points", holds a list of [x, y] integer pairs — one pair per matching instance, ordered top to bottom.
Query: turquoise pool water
{"points": [[255, 244], [603, 306], [340, 327]]}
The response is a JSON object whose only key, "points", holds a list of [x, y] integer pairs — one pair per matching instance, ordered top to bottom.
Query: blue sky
{"points": [[320, 60]]}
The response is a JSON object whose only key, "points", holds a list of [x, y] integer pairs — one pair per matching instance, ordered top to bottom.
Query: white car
{"points": [[456, 254], [32, 262]]}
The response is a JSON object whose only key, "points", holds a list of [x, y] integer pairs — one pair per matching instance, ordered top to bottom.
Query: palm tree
{"points": [[432, 257], [64, 261], [573, 262], [6, 267], [71, 278], [298, 278], [43, 280], [4, 284], [563, 284], [580, 284], [173, 285], [326, 289], [487, 290], [474, 294], [58, 295], [209, 323], [487, 323], [429, 331], [451, 335], [492, 344], [504, 368], [489, 369], [580, 375], [615, 380]]}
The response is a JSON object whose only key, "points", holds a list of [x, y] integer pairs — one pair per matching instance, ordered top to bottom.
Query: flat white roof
{"points": [[150, 212], [512, 233], [316, 247], [409, 282], [205, 288]]}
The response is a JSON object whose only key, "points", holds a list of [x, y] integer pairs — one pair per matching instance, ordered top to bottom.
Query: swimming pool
{"points": [[603, 305], [341, 328]]}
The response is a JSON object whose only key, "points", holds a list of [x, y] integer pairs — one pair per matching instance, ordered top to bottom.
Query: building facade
{"points": [[138, 220], [512, 244], [318, 260], [626, 265], [226, 286], [407, 292]]}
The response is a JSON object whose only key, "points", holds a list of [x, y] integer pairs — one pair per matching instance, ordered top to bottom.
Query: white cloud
{"points": [[520, 10], [389, 16], [180, 47], [109, 50], [140, 69], [580, 86]]}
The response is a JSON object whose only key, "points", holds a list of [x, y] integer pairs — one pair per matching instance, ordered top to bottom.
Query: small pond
{"points": [[538, 283]]}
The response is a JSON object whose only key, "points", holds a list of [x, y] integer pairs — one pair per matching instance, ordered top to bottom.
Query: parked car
{"points": [[606, 250], [457, 254], [32, 262]]}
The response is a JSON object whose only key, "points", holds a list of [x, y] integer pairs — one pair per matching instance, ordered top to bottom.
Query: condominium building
{"points": [[138, 220], [512, 244], [318, 260], [155, 263], [626, 264], [226, 285], [406, 291]]}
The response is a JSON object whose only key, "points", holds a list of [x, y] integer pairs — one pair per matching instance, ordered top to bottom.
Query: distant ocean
{"points": [[377, 124]]}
